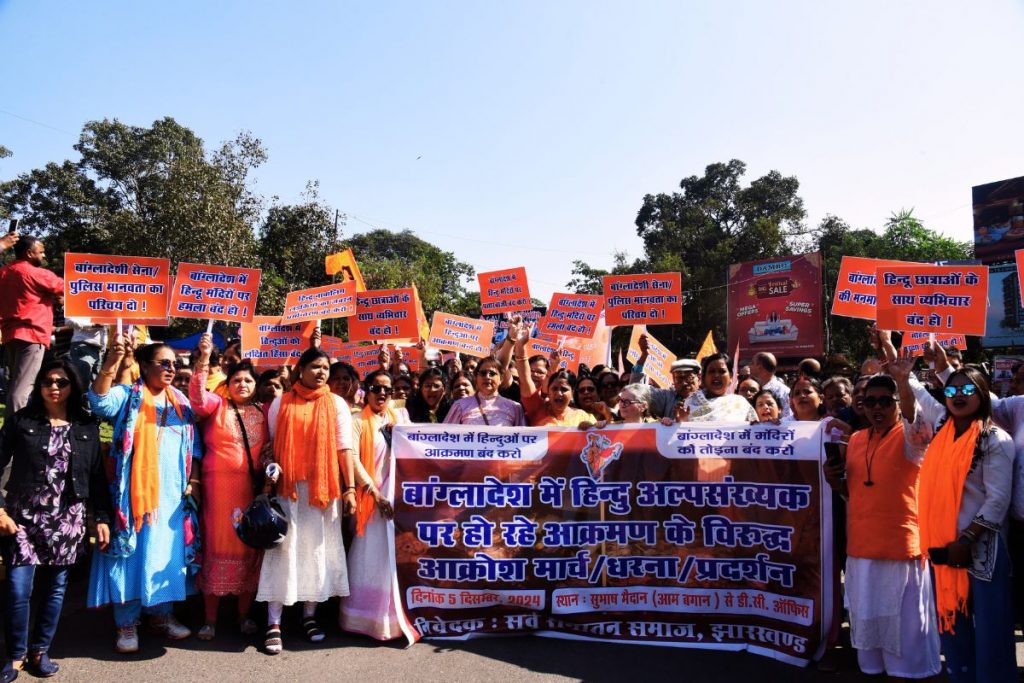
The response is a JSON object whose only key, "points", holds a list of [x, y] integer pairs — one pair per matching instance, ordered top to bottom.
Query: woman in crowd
{"points": [[181, 379], [271, 384], [608, 384], [460, 385], [403, 387], [748, 388], [586, 396], [838, 398], [806, 400], [712, 402], [430, 403], [634, 404], [766, 405], [486, 407], [552, 407], [234, 431], [311, 433], [155, 446], [54, 447], [965, 490], [371, 608]]}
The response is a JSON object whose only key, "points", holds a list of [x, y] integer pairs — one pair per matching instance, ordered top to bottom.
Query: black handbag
{"points": [[263, 525]]}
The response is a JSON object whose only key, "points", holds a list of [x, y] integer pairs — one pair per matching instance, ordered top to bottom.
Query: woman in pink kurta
{"points": [[229, 566]]}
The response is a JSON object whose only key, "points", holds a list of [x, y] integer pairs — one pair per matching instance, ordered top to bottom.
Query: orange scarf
{"points": [[306, 444], [943, 473], [145, 476], [365, 503]]}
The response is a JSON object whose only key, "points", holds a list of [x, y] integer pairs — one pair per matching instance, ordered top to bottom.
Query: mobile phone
{"points": [[13, 226], [833, 455], [938, 555]]}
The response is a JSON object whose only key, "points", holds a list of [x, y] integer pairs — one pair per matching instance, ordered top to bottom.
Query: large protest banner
{"points": [[855, 287], [107, 288], [504, 290], [215, 292], [927, 298], [647, 299], [320, 303], [775, 306], [385, 314], [572, 315], [464, 335], [268, 341], [699, 535]]}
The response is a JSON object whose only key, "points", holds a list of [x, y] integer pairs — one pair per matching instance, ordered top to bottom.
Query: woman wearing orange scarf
{"points": [[311, 433], [965, 487], [371, 608]]}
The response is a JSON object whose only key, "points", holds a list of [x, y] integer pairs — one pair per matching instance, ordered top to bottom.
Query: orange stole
{"points": [[306, 444]]}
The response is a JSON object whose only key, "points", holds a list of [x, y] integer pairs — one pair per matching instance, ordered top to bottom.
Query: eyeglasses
{"points": [[166, 364], [61, 382], [380, 389], [966, 390], [880, 401], [629, 402]]}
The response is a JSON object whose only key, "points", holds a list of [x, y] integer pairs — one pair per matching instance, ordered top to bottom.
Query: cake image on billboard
{"points": [[773, 330]]}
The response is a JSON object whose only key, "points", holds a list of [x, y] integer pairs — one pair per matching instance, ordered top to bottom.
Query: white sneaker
{"points": [[170, 628], [127, 640]]}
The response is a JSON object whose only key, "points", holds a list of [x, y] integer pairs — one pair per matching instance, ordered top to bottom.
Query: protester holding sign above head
{"points": [[26, 317], [762, 368], [685, 381], [713, 403], [486, 407], [552, 407], [234, 432], [311, 433], [155, 451], [888, 584]]}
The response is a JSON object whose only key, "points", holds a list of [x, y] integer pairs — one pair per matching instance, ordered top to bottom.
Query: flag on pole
{"points": [[344, 262], [707, 348]]}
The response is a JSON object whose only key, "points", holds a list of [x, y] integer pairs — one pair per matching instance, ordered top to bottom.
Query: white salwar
{"points": [[309, 565], [892, 617]]}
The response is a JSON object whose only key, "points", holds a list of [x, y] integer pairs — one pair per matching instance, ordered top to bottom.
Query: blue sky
{"points": [[527, 133]]}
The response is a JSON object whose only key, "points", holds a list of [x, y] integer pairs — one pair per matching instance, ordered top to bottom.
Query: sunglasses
{"points": [[166, 365], [60, 382], [381, 389], [966, 390], [880, 401]]}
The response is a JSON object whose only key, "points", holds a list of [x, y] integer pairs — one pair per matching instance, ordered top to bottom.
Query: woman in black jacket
{"points": [[54, 446]]}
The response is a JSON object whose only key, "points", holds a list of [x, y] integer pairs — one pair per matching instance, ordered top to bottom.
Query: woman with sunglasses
{"points": [[430, 402], [486, 407], [234, 431], [311, 442], [54, 447], [965, 490], [149, 563], [888, 586], [370, 608]]}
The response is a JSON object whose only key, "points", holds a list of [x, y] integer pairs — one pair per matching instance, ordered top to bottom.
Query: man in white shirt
{"points": [[762, 368]]}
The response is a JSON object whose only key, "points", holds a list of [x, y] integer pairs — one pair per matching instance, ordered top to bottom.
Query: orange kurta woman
{"points": [[234, 431]]}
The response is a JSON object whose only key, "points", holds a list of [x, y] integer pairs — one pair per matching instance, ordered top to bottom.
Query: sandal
{"points": [[207, 632], [313, 632], [272, 644]]}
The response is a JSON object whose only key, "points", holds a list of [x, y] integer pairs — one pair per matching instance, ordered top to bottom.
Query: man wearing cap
{"points": [[762, 368], [685, 381]]}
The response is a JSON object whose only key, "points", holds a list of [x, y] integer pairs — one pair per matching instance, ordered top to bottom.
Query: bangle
{"points": [[520, 358], [108, 373], [195, 481], [350, 488], [348, 492]]}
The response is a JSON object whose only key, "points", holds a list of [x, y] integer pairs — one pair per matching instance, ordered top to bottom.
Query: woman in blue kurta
{"points": [[148, 565]]}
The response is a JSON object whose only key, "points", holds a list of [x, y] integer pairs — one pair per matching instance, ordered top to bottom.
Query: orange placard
{"points": [[344, 262], [855, 287], [105, 288], [504, 290], [215, 292], [645, 299], [941, 299], [320, 303], [385, 314], [572, 315], [422, 324], [465, 335], [267, 341], [914, 342], [331, 345], [543, 346], [410, 356], [365, 358], [659, 359]]}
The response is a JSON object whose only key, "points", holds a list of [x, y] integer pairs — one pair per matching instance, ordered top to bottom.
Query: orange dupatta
{"points": [[306, 444], [943, 473], [145, 476], [365, 503]]}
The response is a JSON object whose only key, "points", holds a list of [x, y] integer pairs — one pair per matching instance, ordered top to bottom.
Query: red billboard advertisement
{"points": [[998, 220], [775, 306]]}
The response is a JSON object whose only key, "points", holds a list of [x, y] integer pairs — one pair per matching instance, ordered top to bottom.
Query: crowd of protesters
{"points": [[927, 478]]}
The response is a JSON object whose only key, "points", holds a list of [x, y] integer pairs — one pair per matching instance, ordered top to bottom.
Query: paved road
{"points": [[84, 648]]}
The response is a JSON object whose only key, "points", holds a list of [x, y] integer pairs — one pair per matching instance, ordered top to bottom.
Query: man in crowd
{"points": [[26, 316], [762, 368], [685, 381]]}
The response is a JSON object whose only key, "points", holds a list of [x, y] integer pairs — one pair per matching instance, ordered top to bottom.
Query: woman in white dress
{"points": [[713, 402]]}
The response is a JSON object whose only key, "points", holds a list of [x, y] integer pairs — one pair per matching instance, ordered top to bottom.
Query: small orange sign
{"points": [[105, 288], [504, 290], [215, 292], [924, 298], [320, 303], [385, 314], [464, 335]]}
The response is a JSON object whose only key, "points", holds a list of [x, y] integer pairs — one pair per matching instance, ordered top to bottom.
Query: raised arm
{"points": [[504, 353], [111, 363], [636, 375], [526, 386], [204, 403]]}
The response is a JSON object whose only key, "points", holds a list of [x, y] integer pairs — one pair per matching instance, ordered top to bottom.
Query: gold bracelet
{"points": [[108, 373]]}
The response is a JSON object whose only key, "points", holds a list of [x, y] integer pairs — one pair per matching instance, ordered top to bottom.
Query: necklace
{"points": [[869, 456]]}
